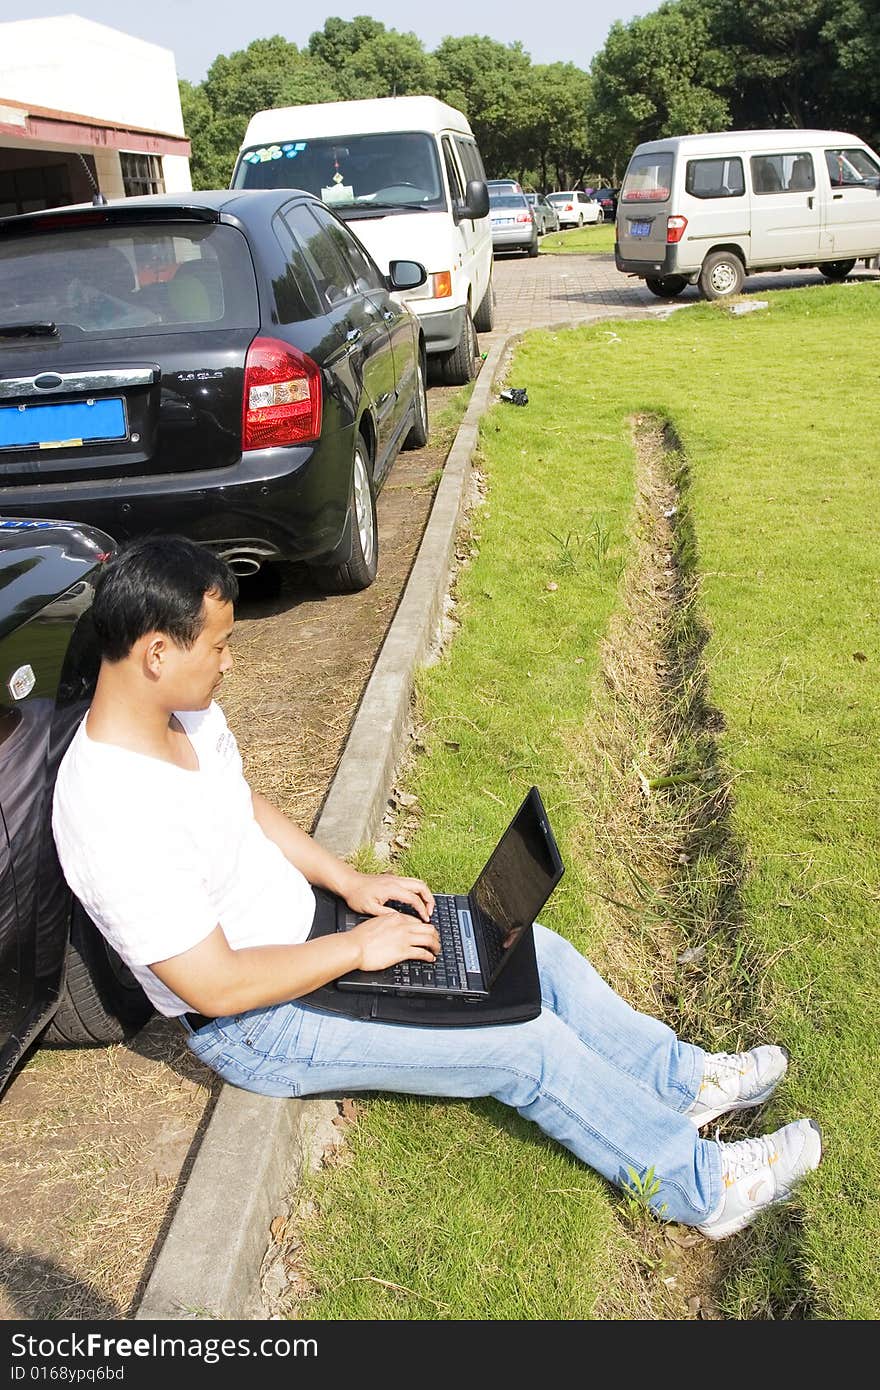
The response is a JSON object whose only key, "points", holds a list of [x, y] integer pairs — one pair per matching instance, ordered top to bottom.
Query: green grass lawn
{"points": [[580, 239], [773, 411]]}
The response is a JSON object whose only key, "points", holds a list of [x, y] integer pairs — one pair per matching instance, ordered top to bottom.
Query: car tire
{"points": [[601, 217], [580, 219], [532, 249], [836, 270], [722, 275], [667, 287], [484, 318], [459, 366], [418, 435], [360, 569], [101, 1001]]}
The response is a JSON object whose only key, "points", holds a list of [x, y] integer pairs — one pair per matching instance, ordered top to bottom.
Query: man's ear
{"points": [[155, 650]]}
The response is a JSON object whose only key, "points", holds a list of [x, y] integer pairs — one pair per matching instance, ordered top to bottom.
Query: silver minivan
{"points": [[711, 209]]}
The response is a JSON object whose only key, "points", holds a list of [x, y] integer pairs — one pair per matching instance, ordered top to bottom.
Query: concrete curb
{"points": [[255, 1148]]}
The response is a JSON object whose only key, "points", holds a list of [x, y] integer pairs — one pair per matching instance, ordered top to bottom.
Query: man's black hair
{"points": [[157, 584]]}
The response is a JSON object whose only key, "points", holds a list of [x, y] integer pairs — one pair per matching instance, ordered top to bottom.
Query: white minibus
{"points": [[406, 176], [711, 209]]}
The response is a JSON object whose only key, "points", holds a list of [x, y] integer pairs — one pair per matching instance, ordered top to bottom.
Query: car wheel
{"points": [[600, 217], [580, 219], [533, 248], [836, 270], [722, 275], [667, 287], [484, 318], [459, 366], [418, 435], [360, 570], [101, 1001]]}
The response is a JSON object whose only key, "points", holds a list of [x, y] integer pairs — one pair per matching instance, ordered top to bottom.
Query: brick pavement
{"points": [[551, 291]]}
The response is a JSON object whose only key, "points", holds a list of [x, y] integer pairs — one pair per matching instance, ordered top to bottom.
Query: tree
{"points": [[341, 38], [387, 65], [269, 72], [663, 74], [488, 82], [557, 134]]}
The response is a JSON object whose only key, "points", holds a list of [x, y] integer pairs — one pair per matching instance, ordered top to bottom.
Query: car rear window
{"points": [[648, 179], [507, 200], [131, 281]]}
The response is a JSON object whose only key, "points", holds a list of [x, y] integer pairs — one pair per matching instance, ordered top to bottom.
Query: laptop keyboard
{"points": [[447, 971]]}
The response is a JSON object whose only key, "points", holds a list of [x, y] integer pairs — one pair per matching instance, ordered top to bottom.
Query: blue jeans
{"points": [[607, 1082]]}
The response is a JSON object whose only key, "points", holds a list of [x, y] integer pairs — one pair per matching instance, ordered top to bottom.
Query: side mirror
{"points": [[476, 202], [406, 275]]}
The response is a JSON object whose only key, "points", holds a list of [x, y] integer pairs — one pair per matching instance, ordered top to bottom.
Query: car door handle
{"points": [[837, 196], [809, 202], [388, 315], [353, 335]]}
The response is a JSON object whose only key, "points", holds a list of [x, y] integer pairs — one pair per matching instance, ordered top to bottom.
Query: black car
{"points": [[607, 200], [228, 365], [55, 967]]}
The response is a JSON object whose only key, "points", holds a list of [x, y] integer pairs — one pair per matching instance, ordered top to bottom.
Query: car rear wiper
{"points": [[29, 330]]}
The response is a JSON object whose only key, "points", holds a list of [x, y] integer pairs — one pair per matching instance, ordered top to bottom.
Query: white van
{"points": [[405, 174], [711, 209]]}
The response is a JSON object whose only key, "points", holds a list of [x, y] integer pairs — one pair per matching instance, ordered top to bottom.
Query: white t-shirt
{"points": [[158, 856]]}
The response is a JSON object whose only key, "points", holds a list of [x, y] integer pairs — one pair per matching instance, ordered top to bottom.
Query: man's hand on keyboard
{"points": [[371, 894], [391, 937]]}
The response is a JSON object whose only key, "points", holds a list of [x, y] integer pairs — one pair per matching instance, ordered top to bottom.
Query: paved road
{"points": [[552, 290]]}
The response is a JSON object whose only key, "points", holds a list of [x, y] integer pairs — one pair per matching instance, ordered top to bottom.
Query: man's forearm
{"points": [[319, 866]]}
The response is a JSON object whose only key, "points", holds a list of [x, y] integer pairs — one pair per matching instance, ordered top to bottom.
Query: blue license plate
{"points": [[640, 229], [62, 426]]}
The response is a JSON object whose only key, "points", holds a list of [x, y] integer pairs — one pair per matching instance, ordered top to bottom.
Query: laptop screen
{"points": [[524, 869]]}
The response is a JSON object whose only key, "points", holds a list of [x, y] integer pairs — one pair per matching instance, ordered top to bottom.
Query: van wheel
{"points": [[836, 270], [722, 275], [667, 287], [484, 318], [459, 366], [418, 435], [360, 570], [101, 1001]]}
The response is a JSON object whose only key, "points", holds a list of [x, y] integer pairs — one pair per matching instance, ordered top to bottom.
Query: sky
{"points": [[197, 30]]}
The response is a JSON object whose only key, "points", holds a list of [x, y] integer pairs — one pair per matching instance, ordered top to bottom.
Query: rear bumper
{"points": [[512, 238], [653, 269], [292, 502]]}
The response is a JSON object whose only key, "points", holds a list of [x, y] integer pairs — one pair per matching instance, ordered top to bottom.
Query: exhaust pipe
{"points": [[242, 563]]}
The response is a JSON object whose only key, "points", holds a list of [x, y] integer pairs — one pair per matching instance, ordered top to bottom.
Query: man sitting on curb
{"points": [[205, 891]]}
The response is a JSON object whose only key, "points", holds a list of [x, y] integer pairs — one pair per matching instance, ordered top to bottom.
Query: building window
{"points": [[141, 173]]}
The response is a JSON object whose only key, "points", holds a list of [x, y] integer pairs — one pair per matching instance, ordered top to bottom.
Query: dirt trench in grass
{"points": [[670, 872]]}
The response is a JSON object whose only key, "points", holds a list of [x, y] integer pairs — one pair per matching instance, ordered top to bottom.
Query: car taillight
{"points": [[569, 207], [523, 217], [675, 227], [282, 396]]}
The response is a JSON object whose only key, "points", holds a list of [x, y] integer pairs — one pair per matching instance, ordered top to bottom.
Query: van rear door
{"points": [[643, 206], [852, 218]]}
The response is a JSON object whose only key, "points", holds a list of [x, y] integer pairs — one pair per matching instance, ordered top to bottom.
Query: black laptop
{"points": [[479, 933]]}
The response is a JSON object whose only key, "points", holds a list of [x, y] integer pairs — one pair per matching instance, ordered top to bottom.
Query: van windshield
{"points": [[391, 170], [648, 178]]}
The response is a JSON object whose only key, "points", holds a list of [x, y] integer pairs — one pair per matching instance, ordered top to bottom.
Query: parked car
{"points": [[607, 200], [574, 208], [545, 213], [512, 221], [229, 365], [55, 967]]}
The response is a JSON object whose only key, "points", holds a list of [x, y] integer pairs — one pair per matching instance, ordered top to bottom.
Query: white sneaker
{"points": [[736, 1081], [758, 1173]]}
